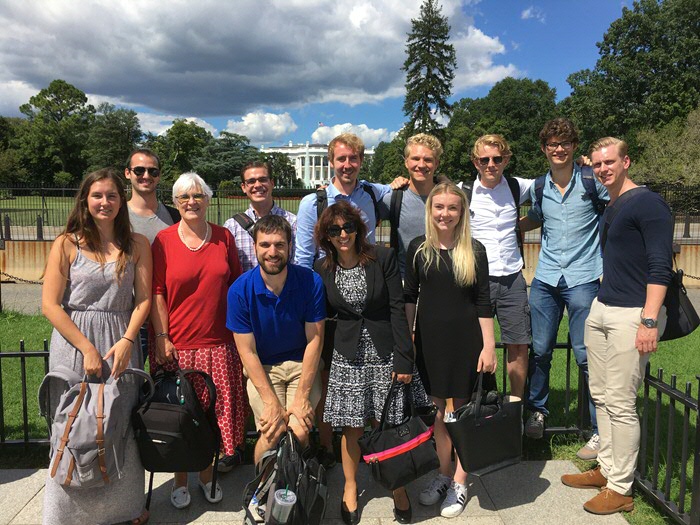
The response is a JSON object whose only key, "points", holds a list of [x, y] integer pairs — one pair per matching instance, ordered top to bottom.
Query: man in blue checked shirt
{"points": [[569, 268]]}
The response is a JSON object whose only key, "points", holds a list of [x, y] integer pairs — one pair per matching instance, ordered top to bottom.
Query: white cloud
{"points": [[533, 13], [217, 59], [159, 124], [263, 128], [371, 137]]}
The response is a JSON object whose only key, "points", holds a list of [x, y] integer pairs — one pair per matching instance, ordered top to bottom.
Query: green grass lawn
{"points": [[679, 357]]}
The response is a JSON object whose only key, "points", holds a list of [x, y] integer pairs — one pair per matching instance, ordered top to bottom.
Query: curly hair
{"points": [[559, 127], [346, 212]]}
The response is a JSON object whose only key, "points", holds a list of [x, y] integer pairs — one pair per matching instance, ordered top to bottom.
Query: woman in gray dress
{"points": [[96, 294]]}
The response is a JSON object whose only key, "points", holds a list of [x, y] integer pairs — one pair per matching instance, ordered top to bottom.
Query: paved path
{"points": [[526, 493]]}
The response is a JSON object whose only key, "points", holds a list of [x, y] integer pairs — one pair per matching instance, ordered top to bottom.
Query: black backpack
{"points": [[245, 222], [173, 432], [287, 468]]}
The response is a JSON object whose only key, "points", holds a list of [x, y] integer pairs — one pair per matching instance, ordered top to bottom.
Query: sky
{"points": [[282, 70]]}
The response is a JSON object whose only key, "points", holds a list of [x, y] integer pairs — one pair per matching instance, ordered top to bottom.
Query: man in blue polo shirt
{"points": [[569, 267], [277, 313]]}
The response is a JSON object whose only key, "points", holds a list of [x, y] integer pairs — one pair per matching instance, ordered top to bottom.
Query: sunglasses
{"points": [[497, 160], [141, 170], [185, 198], [348, 227]]}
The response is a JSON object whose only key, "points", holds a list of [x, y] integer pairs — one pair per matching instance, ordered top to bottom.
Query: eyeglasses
{"points": [[552, 146], [497, 160], [141, 170], [253, 180], [185, 198], [348, 227]]}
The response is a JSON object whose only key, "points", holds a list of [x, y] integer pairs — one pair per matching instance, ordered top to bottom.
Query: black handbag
{"points": [[681, 317], [487, 431], [401, 453]]}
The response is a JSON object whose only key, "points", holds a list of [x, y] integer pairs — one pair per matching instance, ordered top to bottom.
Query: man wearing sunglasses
{"points": [[257, 184], [494, 204], [147, 214], [569, 267]]}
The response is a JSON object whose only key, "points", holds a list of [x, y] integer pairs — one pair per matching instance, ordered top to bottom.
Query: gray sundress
{"points": [[101, 308]]}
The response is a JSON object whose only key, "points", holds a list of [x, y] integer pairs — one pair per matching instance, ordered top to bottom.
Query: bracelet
{"points": [[162, 334], [130, 340]]}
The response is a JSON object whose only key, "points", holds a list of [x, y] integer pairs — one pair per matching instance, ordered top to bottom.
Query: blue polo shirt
{"points": [[570, 241], [305, 250], [278, 323]]}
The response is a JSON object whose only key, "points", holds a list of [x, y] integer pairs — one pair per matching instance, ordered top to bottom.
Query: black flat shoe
{"points": [[403, 516], [349, 518]]}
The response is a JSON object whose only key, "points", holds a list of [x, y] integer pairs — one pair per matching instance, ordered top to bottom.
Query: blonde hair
{"points": [[423, 139], [351, 140], [497, 141], [606, 142], [462, 253]]}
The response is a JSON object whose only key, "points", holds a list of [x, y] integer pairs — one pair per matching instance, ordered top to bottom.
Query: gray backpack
{"points": [[88, 429]]}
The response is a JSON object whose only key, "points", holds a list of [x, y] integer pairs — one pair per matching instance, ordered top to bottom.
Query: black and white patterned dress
{"points": [[357, 388]]}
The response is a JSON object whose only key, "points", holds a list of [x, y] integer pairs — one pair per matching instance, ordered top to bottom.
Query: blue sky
{"points": [[273, 70]]}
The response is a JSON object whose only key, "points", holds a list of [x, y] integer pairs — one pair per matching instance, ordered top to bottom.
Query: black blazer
{"points": [[383, 315]]}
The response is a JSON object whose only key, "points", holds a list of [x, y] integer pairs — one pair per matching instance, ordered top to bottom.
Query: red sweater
{"points": [[195, 285]]}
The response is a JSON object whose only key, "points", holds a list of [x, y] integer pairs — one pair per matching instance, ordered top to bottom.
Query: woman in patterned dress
{"points": [[195, 262], [96, 294], [372, 341]]}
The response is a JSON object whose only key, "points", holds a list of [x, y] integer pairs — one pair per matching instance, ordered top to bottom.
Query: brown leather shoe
{"points": [[591, 479], [609, 502]]}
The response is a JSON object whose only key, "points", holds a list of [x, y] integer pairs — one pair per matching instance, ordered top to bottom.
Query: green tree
{"points": [[429, 67], [648, 73], [514, 108], [59, 118], [114, 133], [178, 147], [222, 158], [388, 162], [11, 169], [282, 170]]}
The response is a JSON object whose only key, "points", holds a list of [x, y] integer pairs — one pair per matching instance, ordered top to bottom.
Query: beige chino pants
{"points": [[616, 371]]}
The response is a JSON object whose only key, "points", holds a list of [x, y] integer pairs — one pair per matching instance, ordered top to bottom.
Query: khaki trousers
{"points": [[616, 371]]}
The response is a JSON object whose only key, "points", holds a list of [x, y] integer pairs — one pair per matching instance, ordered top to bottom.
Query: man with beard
{"points": [[277, 312]]}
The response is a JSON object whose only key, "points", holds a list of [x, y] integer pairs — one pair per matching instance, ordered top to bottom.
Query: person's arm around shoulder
{"points": [[534, 217], [305, 249], [61, 256], [143, 269], [403, 346]]}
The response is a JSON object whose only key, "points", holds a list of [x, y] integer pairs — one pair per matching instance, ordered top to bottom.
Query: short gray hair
{"points": [[188, 181]]}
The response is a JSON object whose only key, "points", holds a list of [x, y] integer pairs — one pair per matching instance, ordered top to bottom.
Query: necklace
{"points": [[182, 238]]}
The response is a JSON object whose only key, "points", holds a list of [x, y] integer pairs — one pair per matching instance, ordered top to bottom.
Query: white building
{"points": [[310, 161]]}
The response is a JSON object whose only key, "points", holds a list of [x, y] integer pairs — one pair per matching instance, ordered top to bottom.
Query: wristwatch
{"points": [[649, 322]]}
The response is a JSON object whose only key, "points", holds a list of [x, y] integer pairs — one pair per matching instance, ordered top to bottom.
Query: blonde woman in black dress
{"points": [[454, 336]]}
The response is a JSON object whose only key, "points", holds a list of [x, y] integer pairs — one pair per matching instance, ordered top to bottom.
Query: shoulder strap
{"points": [[588, 181], [514, 186], [368, 189], [468, 189], [539, 190], [321, 201], [613, 210], [174, 214], [395, 216], [246, 222], [68, 375]]}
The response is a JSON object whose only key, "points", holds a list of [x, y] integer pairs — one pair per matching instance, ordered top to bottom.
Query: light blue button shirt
{"points": [[307, 216], [570, 240]]}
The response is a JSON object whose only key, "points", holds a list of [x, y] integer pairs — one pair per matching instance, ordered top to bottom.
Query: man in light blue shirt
{"points": [[345, 155], [569, 267]]}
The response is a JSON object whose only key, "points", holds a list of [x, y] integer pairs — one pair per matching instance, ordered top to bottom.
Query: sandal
{"points": [[206, 489], [180, 497], [142, 519]]}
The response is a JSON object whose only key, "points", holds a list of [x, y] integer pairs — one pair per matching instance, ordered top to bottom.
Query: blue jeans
{"points": [[546, 311]]}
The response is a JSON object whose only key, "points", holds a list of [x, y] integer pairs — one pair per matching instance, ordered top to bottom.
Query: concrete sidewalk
{"points": [[526, 493]]}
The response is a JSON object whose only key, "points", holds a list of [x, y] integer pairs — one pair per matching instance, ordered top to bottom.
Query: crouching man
{"points": [[276, 312], [625, 322]]}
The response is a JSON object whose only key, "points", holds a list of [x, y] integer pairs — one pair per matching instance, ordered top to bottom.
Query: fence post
{"points": [[686, 226], [39, 228], [8, 234], [695, 497]]}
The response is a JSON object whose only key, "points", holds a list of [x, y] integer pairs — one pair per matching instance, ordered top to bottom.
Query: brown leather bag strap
{"points": [[69, 425], [101, 432]]}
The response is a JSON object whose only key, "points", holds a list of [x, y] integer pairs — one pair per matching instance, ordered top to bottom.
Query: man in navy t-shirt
{"points": [[277, 312], [625, 322]]}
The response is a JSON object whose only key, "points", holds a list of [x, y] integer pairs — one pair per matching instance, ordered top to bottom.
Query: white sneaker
{"points": [[589, 451], [437, 488], [455, 501]]}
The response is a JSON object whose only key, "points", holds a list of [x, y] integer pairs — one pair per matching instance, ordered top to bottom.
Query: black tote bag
{"points": [[487, 432], [399, 454]]}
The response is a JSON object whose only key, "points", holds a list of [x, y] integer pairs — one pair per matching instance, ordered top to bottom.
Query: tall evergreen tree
{"points": [[429, 67]]}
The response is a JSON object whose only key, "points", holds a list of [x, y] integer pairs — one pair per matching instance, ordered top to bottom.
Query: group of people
{"points": [[306, 321]]}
